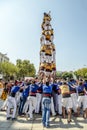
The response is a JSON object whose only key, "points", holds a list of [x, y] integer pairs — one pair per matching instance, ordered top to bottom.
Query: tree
{"points": [[25, 68], [8, 69], [81, 73], [58, 74], [66, 75]]}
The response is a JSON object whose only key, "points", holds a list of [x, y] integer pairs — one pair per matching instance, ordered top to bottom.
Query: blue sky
{"points": [[20, 30]]}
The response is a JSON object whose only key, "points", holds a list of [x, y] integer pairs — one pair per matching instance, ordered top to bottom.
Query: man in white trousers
{"points": [[32, 98], [38, 98], [12, 102]]}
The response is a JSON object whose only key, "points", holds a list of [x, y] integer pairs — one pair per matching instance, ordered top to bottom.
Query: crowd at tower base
{"points": [[59, 97]]}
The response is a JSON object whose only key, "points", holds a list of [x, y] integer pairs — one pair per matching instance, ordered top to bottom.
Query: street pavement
{"points": [[56, 123]]}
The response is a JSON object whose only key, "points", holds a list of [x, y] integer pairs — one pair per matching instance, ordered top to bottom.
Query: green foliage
{"points": [[25, 68], [8, 69], [20, 70], [81, 73], [58, 74], [64, 75]]}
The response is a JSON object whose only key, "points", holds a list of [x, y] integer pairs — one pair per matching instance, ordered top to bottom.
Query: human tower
{"points": [[47, 50]]}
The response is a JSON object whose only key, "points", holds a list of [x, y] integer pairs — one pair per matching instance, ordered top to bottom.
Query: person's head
{"points": [[36, 79], [43, 80], [51, 80], [86, 80], [33, 81], [47, 81], [16, 82], [28, 83], [64, 83], [80, 83], [6, 84]]}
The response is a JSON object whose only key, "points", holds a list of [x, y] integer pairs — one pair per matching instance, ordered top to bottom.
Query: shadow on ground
{"points": [[56, 122]]}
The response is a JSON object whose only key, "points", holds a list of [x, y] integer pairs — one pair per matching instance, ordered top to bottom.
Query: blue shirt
{"points": [[70, 84], [85, 84], [39, 87], [55, 87], [33, 88], [80, 88], [15, 89], [47, 89], [25, 92]]}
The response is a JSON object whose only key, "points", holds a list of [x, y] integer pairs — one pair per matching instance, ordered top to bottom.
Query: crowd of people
{"points": [[48, 96]]}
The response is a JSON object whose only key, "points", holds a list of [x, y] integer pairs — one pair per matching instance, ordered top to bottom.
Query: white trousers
{"points": [[52, 37], [48, 58], [1, 90], [18, 95], [83, 100], [86, 100], [38, 101], [74, 101], [11, 102], [67, 103], [5, 104], [60, 104], [32, 105], [26, 106], [52, 107]]}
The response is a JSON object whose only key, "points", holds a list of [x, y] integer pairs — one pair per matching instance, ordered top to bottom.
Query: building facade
{"points": [[3, 57]]}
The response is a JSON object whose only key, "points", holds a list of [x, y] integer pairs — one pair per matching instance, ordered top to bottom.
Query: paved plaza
{"points": [[56, 123]]}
